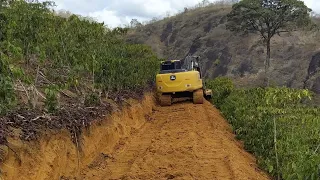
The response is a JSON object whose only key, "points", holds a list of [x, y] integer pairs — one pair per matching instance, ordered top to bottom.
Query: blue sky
{"points": [[119, 12]]}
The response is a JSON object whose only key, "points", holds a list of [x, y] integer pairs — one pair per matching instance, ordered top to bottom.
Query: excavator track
{"points": [[198, 96], [165, 100], [3, 153]]}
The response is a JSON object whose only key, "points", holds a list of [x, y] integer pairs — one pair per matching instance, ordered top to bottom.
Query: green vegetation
{"points": [[66, 53], [221, 87], [51, 102], [282, 132]]}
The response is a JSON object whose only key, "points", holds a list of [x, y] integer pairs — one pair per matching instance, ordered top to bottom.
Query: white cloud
{"points": [[81, 6], [119, 12], [122, 12], [109, 17]]}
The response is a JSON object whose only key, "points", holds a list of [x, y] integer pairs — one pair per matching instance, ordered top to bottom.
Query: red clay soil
{"points": [[184, 141]]}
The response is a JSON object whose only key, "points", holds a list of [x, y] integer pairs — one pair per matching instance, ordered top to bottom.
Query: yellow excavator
{"points": [[177, 82]]}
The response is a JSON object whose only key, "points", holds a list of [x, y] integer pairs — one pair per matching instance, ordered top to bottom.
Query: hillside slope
{"points": [[202, 32], [60, 73]]}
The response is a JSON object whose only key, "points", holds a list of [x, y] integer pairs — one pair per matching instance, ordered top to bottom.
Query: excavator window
{"points": [[168, 66], [171, 67]]}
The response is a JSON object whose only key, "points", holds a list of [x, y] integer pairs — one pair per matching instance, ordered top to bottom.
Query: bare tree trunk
{"points": [[267, 62]]}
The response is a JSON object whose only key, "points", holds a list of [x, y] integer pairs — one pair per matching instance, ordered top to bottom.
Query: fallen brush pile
{"points": [[72, 117], [31, 123]]}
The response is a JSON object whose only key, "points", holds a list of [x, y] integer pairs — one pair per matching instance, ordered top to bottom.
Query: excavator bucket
{"points": [[208, 94]]}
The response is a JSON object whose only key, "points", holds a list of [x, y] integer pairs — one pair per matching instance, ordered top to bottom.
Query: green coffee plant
{"points": [[75, 50], [43, 52], [221, 88], [7, 94], [92, 99], [51, 102], [277, 128]]}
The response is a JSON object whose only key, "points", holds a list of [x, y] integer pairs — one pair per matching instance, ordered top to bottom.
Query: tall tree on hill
{"points": [[268, 18]]}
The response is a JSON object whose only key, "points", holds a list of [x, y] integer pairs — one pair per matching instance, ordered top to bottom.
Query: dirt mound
{"points": [[184, 141]]}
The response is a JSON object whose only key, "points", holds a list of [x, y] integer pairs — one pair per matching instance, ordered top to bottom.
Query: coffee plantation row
{"points": [[49, 52], [58, 71], [275, 125]]}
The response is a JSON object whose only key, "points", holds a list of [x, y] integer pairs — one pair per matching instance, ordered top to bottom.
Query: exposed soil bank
{"points": [[145, 141], [55, 156]]}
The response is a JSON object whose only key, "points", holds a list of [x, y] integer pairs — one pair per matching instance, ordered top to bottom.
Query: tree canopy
{"points": [[268, 18]]}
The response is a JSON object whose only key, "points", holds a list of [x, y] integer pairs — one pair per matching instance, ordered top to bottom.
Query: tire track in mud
{"points": [[183, 141]]}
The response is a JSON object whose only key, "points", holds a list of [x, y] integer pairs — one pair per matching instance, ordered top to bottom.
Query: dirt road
{"points": [[184, 141]]}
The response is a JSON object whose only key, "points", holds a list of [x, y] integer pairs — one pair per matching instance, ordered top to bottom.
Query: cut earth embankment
{"points": [[143, 141]]}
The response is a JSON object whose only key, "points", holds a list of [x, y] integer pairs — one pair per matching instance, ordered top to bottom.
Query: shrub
{"points": [[221, 88], [7, 94], [92, 99], [51, 102], [277, 128]]}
